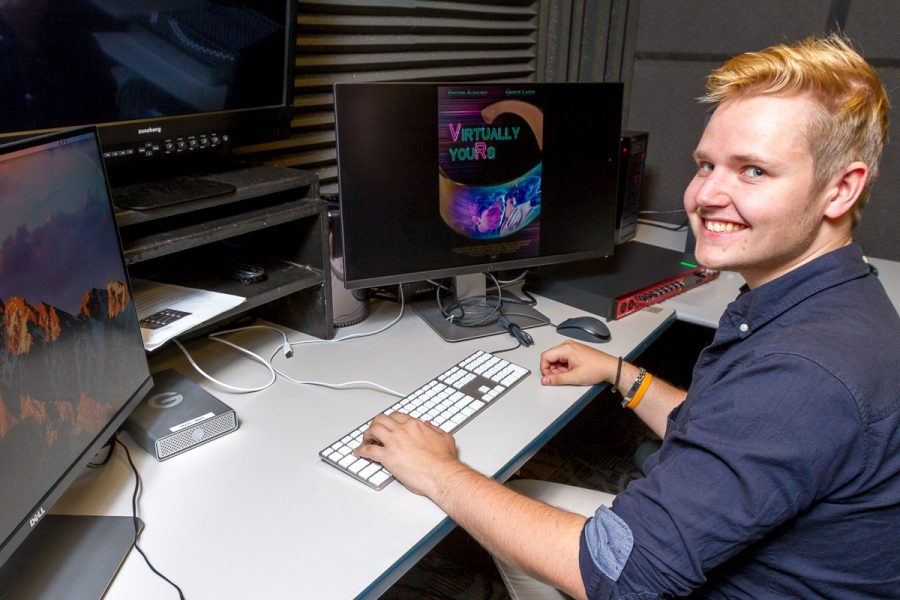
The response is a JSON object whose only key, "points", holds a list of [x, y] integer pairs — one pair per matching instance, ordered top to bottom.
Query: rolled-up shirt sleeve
{"points": [[606, 543]]}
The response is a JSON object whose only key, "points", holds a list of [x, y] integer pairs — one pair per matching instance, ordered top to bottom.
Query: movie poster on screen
{"points": [[490, 158]]}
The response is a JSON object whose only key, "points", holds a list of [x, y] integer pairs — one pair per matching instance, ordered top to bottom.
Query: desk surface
{"points": [[704, 304], [256, 514]]}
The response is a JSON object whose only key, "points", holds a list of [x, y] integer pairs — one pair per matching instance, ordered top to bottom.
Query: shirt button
{"points": [[744, 328]]}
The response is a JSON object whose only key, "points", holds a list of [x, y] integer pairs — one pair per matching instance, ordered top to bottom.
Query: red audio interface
{"points": [[636, 276], [661, 290]]}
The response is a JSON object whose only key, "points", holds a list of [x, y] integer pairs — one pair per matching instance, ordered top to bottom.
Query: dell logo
{"points": [[147, 130], [165, 400], [37, 517]]}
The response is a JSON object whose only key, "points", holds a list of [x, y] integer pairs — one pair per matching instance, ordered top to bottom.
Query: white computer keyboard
{"points": [[449, 400]]}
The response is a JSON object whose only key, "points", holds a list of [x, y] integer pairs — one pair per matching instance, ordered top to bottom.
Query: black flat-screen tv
{"points": [[167, 83], [441, 180], [72, 362]]}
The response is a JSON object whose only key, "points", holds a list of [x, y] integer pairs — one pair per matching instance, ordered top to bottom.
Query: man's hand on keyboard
{"points": [[415, 452]]}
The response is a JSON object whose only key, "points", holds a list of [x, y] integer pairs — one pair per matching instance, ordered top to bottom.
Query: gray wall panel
{"points": [[875, 25], [726, 27], [663, 104], [878, 230]]}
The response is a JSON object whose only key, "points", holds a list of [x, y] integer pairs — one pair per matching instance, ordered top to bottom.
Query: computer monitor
{"points": [[169, 84], [441, 180], [72, 363]]}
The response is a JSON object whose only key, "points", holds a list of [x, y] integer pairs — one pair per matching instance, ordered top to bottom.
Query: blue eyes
{"points": [[751, 172], [754, 172]]}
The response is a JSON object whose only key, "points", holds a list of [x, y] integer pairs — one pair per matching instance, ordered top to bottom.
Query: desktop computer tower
{"points": [[632, 157]]}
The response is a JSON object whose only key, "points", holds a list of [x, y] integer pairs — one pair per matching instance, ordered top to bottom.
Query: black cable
{"points": [[673, 211], [661, 226], [514, 280], [382, 293], [529, 299], [459, 307], [472, 311], [514, 330], [516, 347], [108, 446], [134, 517]]}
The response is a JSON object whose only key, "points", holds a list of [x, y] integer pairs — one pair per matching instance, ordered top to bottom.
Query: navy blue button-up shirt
{"points": [[779, 475]]}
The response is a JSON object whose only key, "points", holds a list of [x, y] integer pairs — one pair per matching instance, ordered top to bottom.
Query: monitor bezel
{"points": [[475, 269], [32, 519]]}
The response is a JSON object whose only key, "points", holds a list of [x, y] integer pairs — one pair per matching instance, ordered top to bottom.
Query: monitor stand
{"points": [[473, 285], [68, 556]]}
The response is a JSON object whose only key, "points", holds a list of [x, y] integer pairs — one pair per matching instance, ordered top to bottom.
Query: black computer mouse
{"points": [[586, 329]]}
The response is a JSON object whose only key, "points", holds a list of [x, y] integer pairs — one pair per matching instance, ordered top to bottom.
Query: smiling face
{"points": [[752, 204]]}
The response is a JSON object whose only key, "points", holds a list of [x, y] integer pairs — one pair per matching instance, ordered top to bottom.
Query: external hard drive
{"points": [[177, 415]]}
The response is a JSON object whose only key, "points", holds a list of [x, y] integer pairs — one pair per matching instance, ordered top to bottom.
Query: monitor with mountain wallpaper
{"points": [[72, 363]]}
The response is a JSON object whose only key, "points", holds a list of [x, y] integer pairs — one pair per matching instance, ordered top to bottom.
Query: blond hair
{"points": [[852, 121]]}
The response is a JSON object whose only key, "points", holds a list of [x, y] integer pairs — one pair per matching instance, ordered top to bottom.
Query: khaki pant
{"points": [[575, 499]]}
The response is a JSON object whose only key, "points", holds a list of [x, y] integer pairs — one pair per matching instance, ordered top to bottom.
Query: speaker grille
{"points": [[193, 436]]}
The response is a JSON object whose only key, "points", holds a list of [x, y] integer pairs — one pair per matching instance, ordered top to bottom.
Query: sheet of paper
{"points": [[166, 310]]}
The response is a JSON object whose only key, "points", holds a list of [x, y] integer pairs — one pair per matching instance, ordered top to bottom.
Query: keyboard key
{"points": [[370, 470]]}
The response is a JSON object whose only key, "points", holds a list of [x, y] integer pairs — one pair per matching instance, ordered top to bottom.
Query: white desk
{"points": [[889, 274], [704, 304], [256, 514]]}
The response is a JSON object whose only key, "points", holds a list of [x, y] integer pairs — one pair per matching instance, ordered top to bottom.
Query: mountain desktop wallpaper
{"points": [[70, 347]]}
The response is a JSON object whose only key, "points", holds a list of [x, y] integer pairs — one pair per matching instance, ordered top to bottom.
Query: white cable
{"points": [[364, 333], [341, 339], [287, 350], [344, 385], [231, 388]]}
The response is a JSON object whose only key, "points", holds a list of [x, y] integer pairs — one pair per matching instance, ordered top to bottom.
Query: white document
{"points": [[166, 311]]}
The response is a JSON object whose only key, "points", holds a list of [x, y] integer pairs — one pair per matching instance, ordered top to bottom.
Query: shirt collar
{"points": [[754, 308]]}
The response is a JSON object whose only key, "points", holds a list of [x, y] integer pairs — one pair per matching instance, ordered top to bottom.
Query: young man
{"points": [[779, 473]]}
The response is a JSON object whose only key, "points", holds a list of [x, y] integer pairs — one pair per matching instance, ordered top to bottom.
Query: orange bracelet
{"points": [[641, 391]]}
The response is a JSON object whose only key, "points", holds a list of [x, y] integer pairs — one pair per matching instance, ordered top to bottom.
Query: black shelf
{"points": [[250, 181], [273, 219], [214, 228], [282, 279]]}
